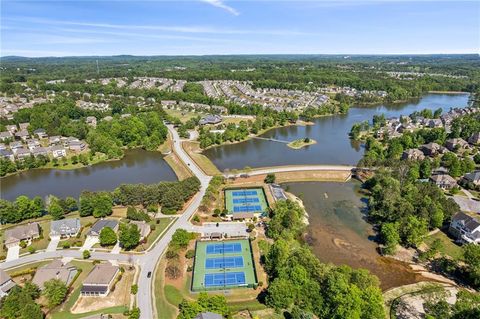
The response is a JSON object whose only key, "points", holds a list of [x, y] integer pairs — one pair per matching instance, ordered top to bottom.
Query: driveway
{"points": [[466, 204], [89, 242], [53, 244], [116, 249], [13, 253]]}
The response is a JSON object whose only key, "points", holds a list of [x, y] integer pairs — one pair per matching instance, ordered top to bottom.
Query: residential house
{"points": [[210, 119], [91, 120], [435, 123], [23, 126], [11, 128], [41, 133], [6, 135], [23, 135], [474, 139], [54, 140], [32, 143], [454, 144], [15, 145], [77, 146], [431, 149], [40, 151], [58, 151], [22, 153], [7, 154], [413, 154], [473, 178], [443, 181], [101, 224], [65, 227], [143, 227], [465, 228], [26, 232], [54, 270], [100, 280], [6, 283], [208, 315]]}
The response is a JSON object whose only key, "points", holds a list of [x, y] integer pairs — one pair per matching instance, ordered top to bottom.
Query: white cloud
{"points": [[220, 4]]}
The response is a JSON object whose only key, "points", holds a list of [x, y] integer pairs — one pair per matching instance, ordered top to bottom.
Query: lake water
{"points": [[331, 133], [137, 166], [339, 234]]}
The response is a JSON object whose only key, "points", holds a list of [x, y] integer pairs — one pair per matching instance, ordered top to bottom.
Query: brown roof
{"points": [[243, 215], [22, 232], [54, 270], [102, 274]]}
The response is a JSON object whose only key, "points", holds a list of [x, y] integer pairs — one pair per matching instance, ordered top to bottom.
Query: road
{"points": [[295, 168]]}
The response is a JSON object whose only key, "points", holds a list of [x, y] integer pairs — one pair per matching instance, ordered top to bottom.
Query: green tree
{"points": [[270, 178], [54, 208], [129, 236], [107, 237], [390, 237], [86, 254], [55, 291]]}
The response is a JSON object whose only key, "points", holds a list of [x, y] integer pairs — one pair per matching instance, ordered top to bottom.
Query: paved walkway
{"points": [[116, 249]]}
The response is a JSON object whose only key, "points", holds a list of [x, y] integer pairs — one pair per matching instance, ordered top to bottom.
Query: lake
{"points": [[331, 133], [137, 166], [339, 234]]}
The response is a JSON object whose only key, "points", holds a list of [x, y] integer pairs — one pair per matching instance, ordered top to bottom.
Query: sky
{"points": [[36, 28]]}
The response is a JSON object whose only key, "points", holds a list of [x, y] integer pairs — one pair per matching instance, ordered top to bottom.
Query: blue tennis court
{"points": [[244, 193], [246, 200], [243, 209], [224, 248], [225, 262], [225, 279]]}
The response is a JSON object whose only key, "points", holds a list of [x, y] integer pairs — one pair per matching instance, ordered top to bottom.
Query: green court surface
{"points": [[245, 200], [223, 265]]}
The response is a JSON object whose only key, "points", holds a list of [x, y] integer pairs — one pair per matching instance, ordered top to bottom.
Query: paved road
{"points": [[296, 168], [150, 260]]}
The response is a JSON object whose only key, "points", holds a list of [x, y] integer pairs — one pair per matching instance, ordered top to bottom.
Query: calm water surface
{"points": [[331, 133], [137, 166], [339, 234]]}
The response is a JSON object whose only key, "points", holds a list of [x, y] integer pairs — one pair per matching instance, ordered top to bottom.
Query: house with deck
{"points": [[465, 228], [100, 280]]}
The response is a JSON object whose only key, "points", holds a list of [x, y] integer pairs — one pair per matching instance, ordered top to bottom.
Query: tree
{"points": [[270, 178], [54, 208], [129, 236], [107, 237], [390, 237], [86, 254], [471, 255], [134, 289], [55, 291], [31, 311], [134, 313]]}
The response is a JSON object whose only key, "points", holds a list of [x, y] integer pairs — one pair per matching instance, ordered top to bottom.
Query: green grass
{"points": [[259, 194], [163, 224], [449, 247], [200, 270], [173, 295], [251, 305], [164, 309], [68, 315]]}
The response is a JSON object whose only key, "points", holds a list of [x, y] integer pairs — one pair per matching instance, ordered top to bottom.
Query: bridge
{"points": [[270, 139]]}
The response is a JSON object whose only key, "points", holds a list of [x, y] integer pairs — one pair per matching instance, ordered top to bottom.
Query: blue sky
{"points": [[156, 27]]}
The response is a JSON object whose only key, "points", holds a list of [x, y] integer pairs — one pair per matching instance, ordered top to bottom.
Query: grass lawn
{"points": [[182, 115], [298, 144], [194, 151], [97, 158], [178, 166], [159, 228], [449, 247], [173, 295], [250, 305], [164, 309], [67, 315]]}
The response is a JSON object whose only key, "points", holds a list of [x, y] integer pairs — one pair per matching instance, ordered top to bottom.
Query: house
{"points": [[210, 119], [91, 120], [435, 123], [23, 126], [11, 128], [41, 133], [6, 135], [23, 135], [474, 139], [54, 140], [32, 143], [456, 143], [15, 145], [76, 146], [430, 149], [40, 151], [58, 151], [22, 153], [7, 154], [413, 154], [472, 178], [443, 181], [101, 224], [65, 227], [143, 227], [465, 228], [26, 232], [54, 270], [100, 280], [6, 283], [208, 315]]}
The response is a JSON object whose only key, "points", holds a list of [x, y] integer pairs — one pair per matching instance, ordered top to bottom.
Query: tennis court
{"points": [[248, 200], [224, 248], [224, 262], [223, 265], [225, 279]]}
